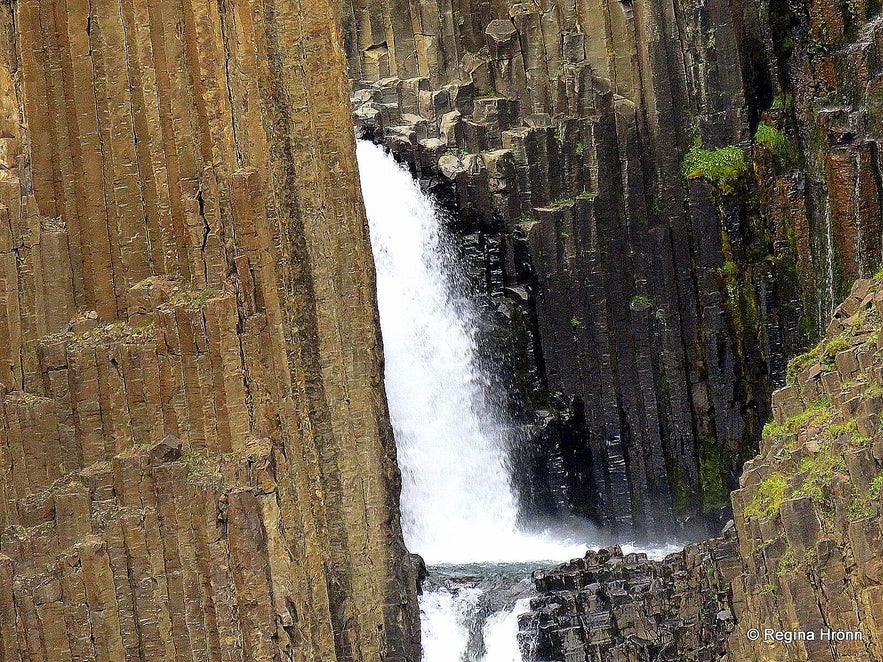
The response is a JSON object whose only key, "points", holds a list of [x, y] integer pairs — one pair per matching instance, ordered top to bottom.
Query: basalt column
{"points": [[562, 127], [672, 203], [195, 455]]}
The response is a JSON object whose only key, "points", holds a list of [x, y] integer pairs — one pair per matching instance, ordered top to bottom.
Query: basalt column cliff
{"points": [[669, 197], [195, 456]]}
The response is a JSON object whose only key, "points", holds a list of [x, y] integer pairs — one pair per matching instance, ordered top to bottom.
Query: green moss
{"points": [[783, 102], [775, 142], [580, 149], [722, 167], [557, 202], [789, 233], [730, 275], [200, 299], [641, 300], [575, 323], [144, 328], [833, 346], [823, 354], [797, 365], [817, 414], [773, 429], [836, 430], [712, 470], [817, 470], [680, 494], [768, 497], [866, 504], [861, 508], [789, 562]]}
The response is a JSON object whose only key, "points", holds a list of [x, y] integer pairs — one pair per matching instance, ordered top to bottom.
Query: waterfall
{"points": [[453, 435]]}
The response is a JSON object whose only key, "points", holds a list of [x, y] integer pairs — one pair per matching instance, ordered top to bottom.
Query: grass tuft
{"points": [[722, 167]]}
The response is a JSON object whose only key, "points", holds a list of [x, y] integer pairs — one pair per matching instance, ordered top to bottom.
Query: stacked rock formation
{"points": [[660, 301], [195, 456], [809, 509], [803, 558], [620, 607]]}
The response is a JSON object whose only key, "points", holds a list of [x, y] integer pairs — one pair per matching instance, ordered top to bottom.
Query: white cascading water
{"points": [[452, 439], [458, 505]]}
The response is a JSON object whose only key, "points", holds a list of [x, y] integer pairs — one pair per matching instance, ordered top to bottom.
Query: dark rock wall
{"points": [[662, 308], [803, 555]]}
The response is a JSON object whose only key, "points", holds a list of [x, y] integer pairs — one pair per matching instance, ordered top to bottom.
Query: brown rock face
{"points": [[195, 456], [808, 511]]}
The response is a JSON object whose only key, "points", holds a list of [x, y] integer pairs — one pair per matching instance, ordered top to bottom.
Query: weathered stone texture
{"points": [[195, 455], [804, 554]]}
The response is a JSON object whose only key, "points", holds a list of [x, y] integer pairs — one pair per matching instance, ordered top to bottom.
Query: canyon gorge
{"points": [[605, 283], [654, 308]]}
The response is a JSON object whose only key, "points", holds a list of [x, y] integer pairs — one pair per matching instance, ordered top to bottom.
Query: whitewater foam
{"points": [[452, 436]]}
